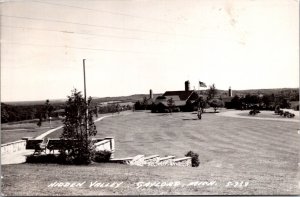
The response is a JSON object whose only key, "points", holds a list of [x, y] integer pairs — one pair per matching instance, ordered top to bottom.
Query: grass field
{"points": [[15, 131], [265, 153]]}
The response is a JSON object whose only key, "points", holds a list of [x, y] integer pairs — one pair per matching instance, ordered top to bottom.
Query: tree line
{"points": [[266, 102], [11, 113], [40, 113]]}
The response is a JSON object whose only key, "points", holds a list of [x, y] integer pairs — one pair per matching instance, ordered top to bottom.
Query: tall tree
{"points": [[212, 92], [216, 103], [171, 104], [48, 108], [77, 130]]}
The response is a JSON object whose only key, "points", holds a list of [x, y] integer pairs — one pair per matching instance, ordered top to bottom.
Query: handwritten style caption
{"points": [[154, 184], [229, 184]]}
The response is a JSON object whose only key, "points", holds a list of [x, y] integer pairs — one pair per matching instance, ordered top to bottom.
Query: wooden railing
{"points": [[107, 143]]}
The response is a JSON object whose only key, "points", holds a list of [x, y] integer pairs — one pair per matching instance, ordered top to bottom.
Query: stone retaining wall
{"points": [[11, 147], [155, 160]]}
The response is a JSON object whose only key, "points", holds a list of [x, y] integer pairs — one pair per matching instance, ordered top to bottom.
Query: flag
{"points": [[202, 84]]}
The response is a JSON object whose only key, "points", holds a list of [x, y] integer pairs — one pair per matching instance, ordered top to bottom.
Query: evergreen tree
{"points": [[78, 130]]}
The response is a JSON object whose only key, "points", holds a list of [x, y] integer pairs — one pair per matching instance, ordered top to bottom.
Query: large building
{"points": [[183, 100]]}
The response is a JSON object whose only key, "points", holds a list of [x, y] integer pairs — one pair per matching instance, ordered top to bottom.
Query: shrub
{"points": [[216, 103], [176, 109], [277, 109], [166, 111], [254, 112], [280, 112], [288, 114], [291, 115], [101, 156], [195, 158]]}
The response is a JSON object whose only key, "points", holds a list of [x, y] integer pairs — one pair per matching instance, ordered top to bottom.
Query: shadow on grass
{"points": [[209, 112], [163, 114], [190, 119]]}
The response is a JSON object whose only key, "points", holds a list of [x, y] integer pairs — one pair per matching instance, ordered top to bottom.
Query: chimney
{"points": [[187, 85], [229, 92], [151, 94]]}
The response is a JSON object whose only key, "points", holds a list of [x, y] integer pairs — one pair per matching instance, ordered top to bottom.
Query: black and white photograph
{"points": [[149, 97]]}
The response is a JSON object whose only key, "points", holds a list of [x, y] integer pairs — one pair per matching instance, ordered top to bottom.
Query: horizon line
{"points": [[56, 99]]}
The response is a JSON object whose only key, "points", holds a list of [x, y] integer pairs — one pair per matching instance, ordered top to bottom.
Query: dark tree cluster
{"points": [[212, 92], [265, 102], [216, 103], [143, 105], [114, 108], [11, 113]]}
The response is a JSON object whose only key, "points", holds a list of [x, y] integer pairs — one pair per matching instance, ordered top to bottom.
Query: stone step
{"points": [[151, 157], [166, 158], [137, 160], [154, 160], [160, 161], [184, 161]]}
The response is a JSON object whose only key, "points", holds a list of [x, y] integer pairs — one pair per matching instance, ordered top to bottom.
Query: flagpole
{"points": [[86, 102]]}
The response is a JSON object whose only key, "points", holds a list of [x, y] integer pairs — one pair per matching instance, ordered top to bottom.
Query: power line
{"points": [[110, 12], [84, 24], [101, 26], [107, 27], [72, 32], [72, 47]]}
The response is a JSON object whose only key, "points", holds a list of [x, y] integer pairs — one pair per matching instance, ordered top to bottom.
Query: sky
{"points": [[132, 46]]}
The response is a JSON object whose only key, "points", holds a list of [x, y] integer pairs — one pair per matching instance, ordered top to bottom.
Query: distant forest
{"points": [[19, 111]]}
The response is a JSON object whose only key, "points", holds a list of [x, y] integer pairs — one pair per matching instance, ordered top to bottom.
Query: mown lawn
{"points": [[15, 131], [261, 152], [29, 179]]}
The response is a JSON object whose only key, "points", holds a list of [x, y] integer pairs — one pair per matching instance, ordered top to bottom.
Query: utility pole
{"points": [[86, 102]]}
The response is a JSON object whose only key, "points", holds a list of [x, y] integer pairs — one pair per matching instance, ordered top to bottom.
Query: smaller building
{"points": [[59, 113]]}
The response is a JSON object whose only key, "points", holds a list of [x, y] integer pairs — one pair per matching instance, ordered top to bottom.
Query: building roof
{"points": [[183, 95], [175, 98], [176, 103], [59, 111]]}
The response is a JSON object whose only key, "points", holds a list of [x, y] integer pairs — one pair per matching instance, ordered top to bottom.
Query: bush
{"points": [[216, 103], [176, 109], [277, 109], [254, 112], [280, 112], [287, 114], [101, 156], [195, 158]]}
